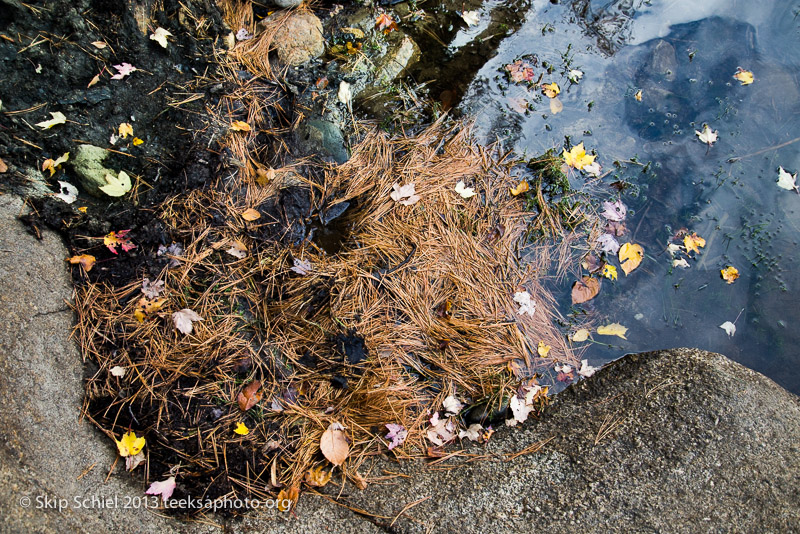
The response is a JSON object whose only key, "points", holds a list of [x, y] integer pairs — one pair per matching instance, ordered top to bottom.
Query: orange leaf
{"points": [[240, 126], [520, 188], [250, 214], [691, 242], [85, 260], [729, 273], [585, 289], [249, 396], [317, 477], [291, 495]]}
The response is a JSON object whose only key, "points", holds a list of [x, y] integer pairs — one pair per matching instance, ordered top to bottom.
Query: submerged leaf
{"points": [[615, 211], [585, 289], [613, 329]]}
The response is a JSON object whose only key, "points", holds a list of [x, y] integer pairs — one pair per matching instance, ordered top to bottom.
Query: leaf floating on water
{"points": [[472, 18], [575, 75], [744, 76], [551, 90], [638, 95], [58, 118], [707, 136], [577, 157], [785, 180], [615, 211], [691, 242], [608, 243], [630, 256], [681, 262], [610, 272], [729, 274], [585, 289], [526, 303], [729, 328], [613, 329], [580, 335], [542, 349], [587, 370], [334, 444]]}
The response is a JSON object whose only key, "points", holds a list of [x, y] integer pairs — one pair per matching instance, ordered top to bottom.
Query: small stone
{"points": [[286, 3], [299, 39], [89, 169]]}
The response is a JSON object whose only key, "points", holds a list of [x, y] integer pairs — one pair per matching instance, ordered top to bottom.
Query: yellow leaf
{"points": [[744, 76], [550, 90], [638, 95], [58, 118], [240, 126], [125, 129], [137, 141], [577, 157], [52, 165], [264, 176], [118, 186], [520, 188], [83, 209], [250, 214], [691, 242], [630, 256], [85, 260], [610, 272], [729, 274], [139, 315], [613, 329], [580, 335], [543, 349], [241, 429], [130, 445], [334, 445], [318, 476], [287, 497]]}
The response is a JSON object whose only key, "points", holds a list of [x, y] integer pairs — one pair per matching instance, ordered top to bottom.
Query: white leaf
{"points": [[471, 17], [243, 35], [160, 36], [575, 75], [345, 94], [58, 118], [707, 136], [593, 168], [786, 180], [118, 186], [68, 192], [401, 192], [465, 192], [608, 243], [673, 249], [237, 250], [681, 262], [302, 267], [152, 290], [526, 303], [183, 320], [729, 328], [565, 368], [587, 370], [117, 371], [452, 406], [520, 409], [440, 431], [473, 433], [132, 461], [163, 488]]}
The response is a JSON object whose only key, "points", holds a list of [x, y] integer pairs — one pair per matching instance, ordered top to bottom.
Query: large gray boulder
{"points": [[673, 441]]}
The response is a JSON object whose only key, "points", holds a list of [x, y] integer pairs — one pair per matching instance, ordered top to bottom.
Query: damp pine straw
{"points": [[410, 305]]}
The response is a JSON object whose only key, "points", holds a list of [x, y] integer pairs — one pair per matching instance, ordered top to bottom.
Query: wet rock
{"points": [[286, 3], [299, 39], [396, 60], [663, 62], [321, 137], [88, 166]]}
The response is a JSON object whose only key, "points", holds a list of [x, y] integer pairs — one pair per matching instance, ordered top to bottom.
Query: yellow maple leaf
{"points": [[744, 76], [550, 90], [638, 95], [240, 126], [125, 129], [137, 141], [577, 157], [53, 164], [520, 188], [83, 209], [691, 242], [630, 256], [610, 272], [729, 273], [146, 306], [613, 329], [580, 335], [543, 349], [241, 429], [130, 445]]}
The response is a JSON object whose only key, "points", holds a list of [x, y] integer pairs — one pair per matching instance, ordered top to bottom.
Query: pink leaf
{"points": [[123, 70], [614, 211], [609, 243], [397, 433], [163, 488]]}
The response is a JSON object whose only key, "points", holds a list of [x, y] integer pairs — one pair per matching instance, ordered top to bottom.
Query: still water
{"points": [[681, 54]]}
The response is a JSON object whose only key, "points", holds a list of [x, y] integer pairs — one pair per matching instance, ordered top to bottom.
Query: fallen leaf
{"points": [[472, 18], [383, 22], [243, 35], [160, 36], [99, 44], [123, 70], [520, 71], [575, 75], [744, 76], [94, 80], [551, 90], [345, 95], [638, 95], [556, 107], [58, 118], [240, 126], [125, 129], [707, 136], [136, 141], [577, 157], [53, 164], [3, 166], [593, 168], [264, 176], [786, 180], [117, 186], [520, 188], [67, 192], [401, 192], [465, 192], [615, 211], [250, 214], [615, 228], [118, 239], [692, 242], [608, 243], [238, 250], [630, 256], [85, 260], [681, 262], [592, 263], [302, 267], [610, 272], [729, 274], [585, 289], [152, 290], [526, 303], [145, 307], [183, 320], [728, 326], [613, 329], [580, 335], [542, 349], [587, 370], [117, 371], [249, 396], [452, 406], [520, 410], [241, 429], [441, 431], [397, 433], [473, 433], [130, 445], [334, 445], [131, 462], [318, 476], [163, 488], [287, 497]]}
